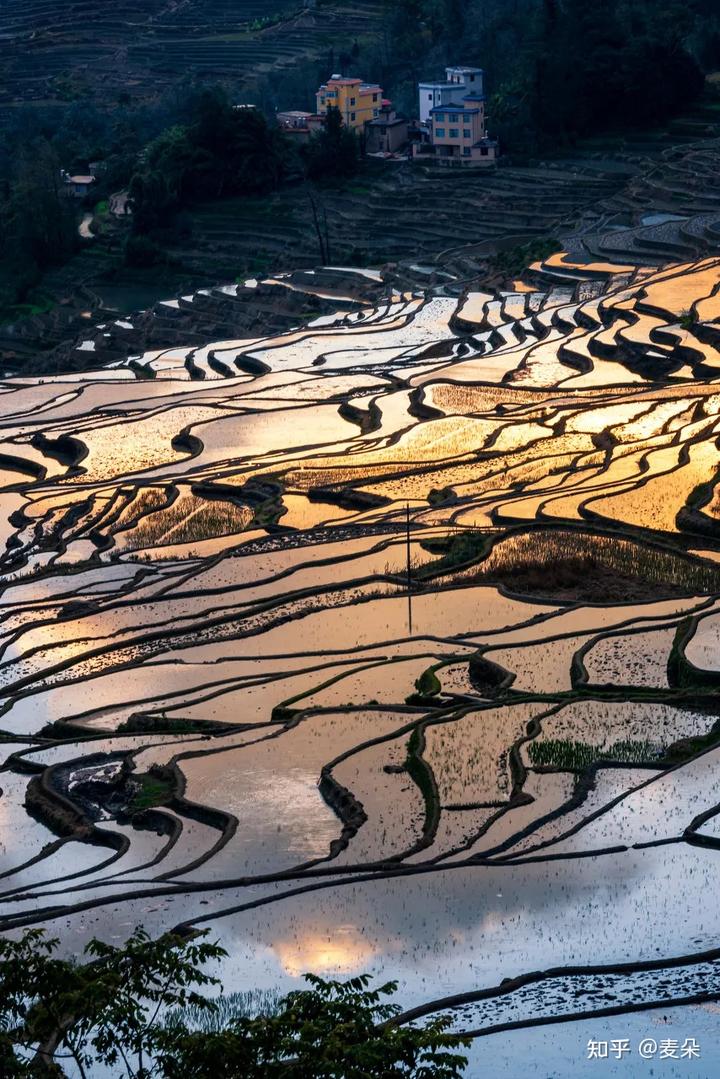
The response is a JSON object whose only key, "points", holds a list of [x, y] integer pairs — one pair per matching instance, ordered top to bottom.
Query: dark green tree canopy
{"points": [[221, 150], [334, 151], [127, 1009]]}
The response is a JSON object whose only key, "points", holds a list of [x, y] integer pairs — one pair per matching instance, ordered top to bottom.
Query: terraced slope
{"points": [[141, 46], [644, 200], [642, 203], [396, 214], [229, 700]]}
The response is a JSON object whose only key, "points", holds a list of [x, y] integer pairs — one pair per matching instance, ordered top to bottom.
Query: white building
{"points": [[472, 78], [458, 82]]}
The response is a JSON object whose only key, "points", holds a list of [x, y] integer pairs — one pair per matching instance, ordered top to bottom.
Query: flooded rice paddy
{"points": [[389, 644]]}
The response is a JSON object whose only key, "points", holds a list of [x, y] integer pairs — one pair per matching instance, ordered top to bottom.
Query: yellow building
{"points": [[357, 101]]}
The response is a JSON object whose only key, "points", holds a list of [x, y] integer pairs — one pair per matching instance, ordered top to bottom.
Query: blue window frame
{"points": [[440, 116], [440, 132], [454, 133]]}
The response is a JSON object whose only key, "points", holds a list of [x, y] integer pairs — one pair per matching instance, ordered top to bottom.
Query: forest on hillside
{"points": [[556, 69]]}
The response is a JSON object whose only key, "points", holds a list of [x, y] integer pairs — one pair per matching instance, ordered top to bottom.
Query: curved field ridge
{"points": [[385, 643]]}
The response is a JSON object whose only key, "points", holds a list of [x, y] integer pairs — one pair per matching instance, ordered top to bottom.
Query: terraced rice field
{"points": [[142, 45], [407, 620]]}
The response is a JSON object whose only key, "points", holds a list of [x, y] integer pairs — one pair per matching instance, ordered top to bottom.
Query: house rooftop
{"points": [[337, 81], [440, 84], [454, 108], [386, 121], [81, 179]]}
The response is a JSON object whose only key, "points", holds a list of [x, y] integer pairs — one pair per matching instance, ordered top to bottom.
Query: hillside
{"points": [[52, 51], [119, 76], [645, 198]]}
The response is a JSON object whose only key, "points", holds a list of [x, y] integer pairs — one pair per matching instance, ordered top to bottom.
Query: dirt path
{"points": [[84, 227]]}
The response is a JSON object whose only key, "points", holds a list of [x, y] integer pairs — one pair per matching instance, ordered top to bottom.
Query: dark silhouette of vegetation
{"points": [[619, 64], [556, 69], [221, 151], [334, 151], [37, 224], [514, 260], [455, 550], [553, 560], [547, 561], [428, 684], [138, 1011]]}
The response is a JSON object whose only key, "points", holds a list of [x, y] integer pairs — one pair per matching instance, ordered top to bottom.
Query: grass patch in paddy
{"points": [[515, 260], [142, 504], [189, 519], [459, 549], [581, 566], [428, 683], [427, 686], [162, 725], [571, 756], [421, 775], [151, 790]]}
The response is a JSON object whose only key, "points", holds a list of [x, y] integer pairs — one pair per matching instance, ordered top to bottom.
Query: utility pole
{"points": [[322, 240], [409, 578]]}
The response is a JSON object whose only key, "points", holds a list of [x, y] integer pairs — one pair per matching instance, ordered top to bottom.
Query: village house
{"points": [[458, 80], [357, 101], [362, 109], [293, 119], [300, 124], [454, 129], [387, 133], [77, 186]]}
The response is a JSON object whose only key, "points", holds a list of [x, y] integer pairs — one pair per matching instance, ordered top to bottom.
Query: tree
{"points": [[220, 151], [333, 152], [37, 224], [124, 1009], [104, 1010], [335, 1029]]}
